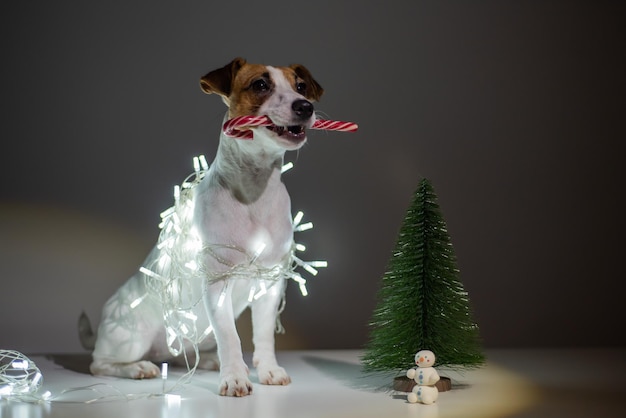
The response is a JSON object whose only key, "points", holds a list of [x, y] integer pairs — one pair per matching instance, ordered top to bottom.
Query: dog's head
{"points": [[284, 94]]}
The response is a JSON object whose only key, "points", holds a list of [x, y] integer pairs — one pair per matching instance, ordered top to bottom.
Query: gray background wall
{"points": [[514, 110]]}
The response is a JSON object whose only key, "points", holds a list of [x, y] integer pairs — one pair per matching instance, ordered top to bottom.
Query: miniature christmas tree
{"points": [[422, 303]]}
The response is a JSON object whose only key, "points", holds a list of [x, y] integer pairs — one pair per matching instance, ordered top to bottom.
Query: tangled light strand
{"points": [[239, 127], [178, 261], [178, 264], [20, 378], [21, 381]]}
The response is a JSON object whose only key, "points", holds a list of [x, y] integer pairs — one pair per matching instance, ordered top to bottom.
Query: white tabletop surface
{"points": [[514, 383]]}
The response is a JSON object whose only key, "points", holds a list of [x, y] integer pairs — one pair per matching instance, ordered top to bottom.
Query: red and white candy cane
{"points": [[247, 121], [335, 125], [238, 127]]}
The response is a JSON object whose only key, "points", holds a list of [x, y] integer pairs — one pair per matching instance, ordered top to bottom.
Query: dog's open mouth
{"points": [[296, 132]]}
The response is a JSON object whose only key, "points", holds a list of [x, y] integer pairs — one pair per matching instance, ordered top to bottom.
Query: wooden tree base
{"points": [[404, 384]]}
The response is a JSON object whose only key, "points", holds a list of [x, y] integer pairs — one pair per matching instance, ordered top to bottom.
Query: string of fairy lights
{"points": [[178, 259], [181, 260]]}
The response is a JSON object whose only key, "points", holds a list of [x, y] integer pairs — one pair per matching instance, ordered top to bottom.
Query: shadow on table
{"points": [[75, 362], [352, 375]]}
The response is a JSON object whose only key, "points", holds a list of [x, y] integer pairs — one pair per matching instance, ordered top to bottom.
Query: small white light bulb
{"points": [[203, 163], [286, 167], [298, 218], [304, 227], [220, 301]]}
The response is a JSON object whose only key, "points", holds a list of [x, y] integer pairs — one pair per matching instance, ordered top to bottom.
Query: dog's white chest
{"points": [[262, 228]]}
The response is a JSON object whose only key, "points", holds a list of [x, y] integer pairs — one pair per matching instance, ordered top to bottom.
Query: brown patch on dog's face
{"points": [[303, 82], [244, 87], [250, 89]]}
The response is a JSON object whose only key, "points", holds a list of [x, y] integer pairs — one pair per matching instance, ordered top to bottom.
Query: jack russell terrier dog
{"points": [[240, 202]]}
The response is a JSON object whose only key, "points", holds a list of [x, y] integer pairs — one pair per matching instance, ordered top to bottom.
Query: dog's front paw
{"points": [[275, 375], [235, 384]]}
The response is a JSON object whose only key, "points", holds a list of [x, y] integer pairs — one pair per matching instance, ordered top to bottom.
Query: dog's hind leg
{"points": [[126, 337], [142, 369]]}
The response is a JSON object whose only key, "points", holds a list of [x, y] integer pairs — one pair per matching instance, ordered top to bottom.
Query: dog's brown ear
{"points": [[220, 81], [313, 91]]}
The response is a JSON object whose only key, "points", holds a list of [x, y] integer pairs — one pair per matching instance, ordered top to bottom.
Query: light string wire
{"points": [[181, 260], [176, 263], [20, 378]]}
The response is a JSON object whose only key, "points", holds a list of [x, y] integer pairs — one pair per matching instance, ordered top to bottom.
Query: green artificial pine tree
{"points": [[422, 303]]}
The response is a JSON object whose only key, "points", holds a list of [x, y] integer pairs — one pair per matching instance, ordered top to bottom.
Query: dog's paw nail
{"points": [[274, 376], [235, 386]]}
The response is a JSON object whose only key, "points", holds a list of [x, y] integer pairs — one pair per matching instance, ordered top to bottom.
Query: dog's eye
{"points": [[260, 85], [301, 87]]}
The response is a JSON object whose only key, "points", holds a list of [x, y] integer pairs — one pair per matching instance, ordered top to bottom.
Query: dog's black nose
{"points": [[302, 108]]}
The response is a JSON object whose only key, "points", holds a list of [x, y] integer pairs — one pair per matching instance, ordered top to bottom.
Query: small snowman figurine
{"points": [[425, 376]]}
